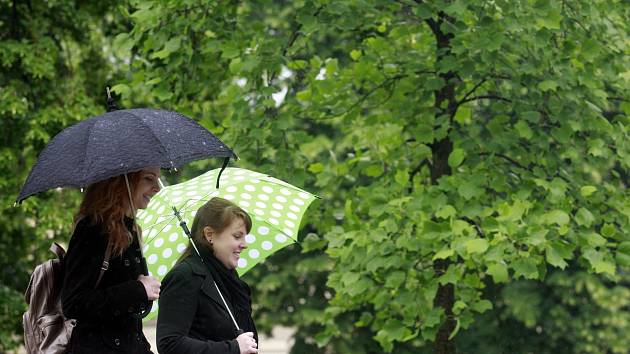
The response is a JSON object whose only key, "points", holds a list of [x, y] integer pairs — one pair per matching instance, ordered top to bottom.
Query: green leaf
{"points": [[355, 54], [548, 85], [523, 129], [456, 157], [317, 167], [374, 170], [587, 190], [446, 212], [558, 217], [584, 217], [478, 245], [443, 254], [554, 257], [597, 261], [525, 268], [499, 272], [395, 279], [481, 306]]}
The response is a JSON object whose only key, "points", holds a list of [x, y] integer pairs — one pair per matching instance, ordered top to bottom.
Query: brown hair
{"points": [[105, 202], [218, 213]]}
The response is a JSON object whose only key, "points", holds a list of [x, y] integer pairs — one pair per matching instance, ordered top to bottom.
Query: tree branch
{"points": [[484, 97]]}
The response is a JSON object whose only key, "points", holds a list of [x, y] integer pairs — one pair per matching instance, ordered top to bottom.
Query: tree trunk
{"points": [[445, 104]]}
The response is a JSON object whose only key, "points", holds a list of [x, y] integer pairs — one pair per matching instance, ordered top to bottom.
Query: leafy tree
{"points": [[52, 73], [456, 144], [469, 154]]}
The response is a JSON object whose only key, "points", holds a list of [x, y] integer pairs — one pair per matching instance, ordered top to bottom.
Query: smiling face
{"points": [[147, 187], [228, 245]]}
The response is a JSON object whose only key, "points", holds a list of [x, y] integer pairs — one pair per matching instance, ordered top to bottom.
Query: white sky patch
{"points": [[321, 75], [280, 95]]}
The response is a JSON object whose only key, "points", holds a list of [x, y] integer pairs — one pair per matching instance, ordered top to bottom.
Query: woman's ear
{"points": [[208, 233]]}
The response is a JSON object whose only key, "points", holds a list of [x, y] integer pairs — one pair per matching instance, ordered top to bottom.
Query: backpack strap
{"points": [[58, 250], [105, 266]]}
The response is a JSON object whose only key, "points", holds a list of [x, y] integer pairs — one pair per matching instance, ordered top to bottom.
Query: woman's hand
{"points": [[151, 286], [247, 344]]}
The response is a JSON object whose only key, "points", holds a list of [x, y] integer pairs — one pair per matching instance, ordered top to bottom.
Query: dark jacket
{"points": [[105, 314], [192, 317]]}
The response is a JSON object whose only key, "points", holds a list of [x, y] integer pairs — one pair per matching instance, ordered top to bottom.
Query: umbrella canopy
{"points": [[119, 142], [276, 209]]}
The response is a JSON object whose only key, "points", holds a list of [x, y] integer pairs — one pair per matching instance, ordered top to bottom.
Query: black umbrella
{"points": [[120, 142]]}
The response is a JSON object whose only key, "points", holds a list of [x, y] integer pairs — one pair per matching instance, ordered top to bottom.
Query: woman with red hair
{"points": [[106, 296]]}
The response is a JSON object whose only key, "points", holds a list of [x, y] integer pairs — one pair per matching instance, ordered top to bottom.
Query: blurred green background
{"points": [[472, 156]]}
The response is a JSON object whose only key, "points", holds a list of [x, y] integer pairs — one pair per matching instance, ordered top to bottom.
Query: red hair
{"points": [[106, 202]]}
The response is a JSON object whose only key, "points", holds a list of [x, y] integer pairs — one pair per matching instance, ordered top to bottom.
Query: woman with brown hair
{"points": [[106, 296], [205, 308]]}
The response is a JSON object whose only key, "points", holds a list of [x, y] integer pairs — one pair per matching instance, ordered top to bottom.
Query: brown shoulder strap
{"points": [[105, 266]]}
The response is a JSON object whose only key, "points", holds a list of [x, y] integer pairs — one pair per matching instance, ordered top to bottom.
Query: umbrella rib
{"points": [[167, 153]]}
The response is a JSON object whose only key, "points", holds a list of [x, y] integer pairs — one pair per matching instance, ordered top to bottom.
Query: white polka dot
{"points": [[238, 172], [239, 178], [255, 181], [250, 188], [231, 189], [267, 189], [285, 191], [176, 193], [191, 194], [304, 195], [246, 196], [228, 197], [263, 197], [281, 199], [298, 201], [244, 203], [261, 205], [277, 206], [294, 208], [161, 209], [259, 212], [193, 213], [275, 213], [292, 216], [148, 218], [161, 219], [273, 221], [289, 223], [167, 228], [263, 230], [287, 231], [152, 233], [172, 237], [250, 238], [281, 238], [159, 242], [266, 245], [181, 247], [145, 248], [167, 253], [253, 254], [152, 259], [242, 263], [161, 270], [150, 273], [154, 308]]}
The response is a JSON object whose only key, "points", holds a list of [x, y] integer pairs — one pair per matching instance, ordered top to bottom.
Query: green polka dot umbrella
{"points": [[276, 209]]}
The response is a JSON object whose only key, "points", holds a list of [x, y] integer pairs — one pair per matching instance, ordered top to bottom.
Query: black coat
{"points": [[192, 317], [105, 321]]}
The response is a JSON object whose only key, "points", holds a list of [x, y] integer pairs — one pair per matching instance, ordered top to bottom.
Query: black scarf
{"points": [[235, 291]]}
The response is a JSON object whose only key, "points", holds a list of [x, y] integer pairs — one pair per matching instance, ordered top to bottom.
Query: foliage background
{"points": [[472, 156]]}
